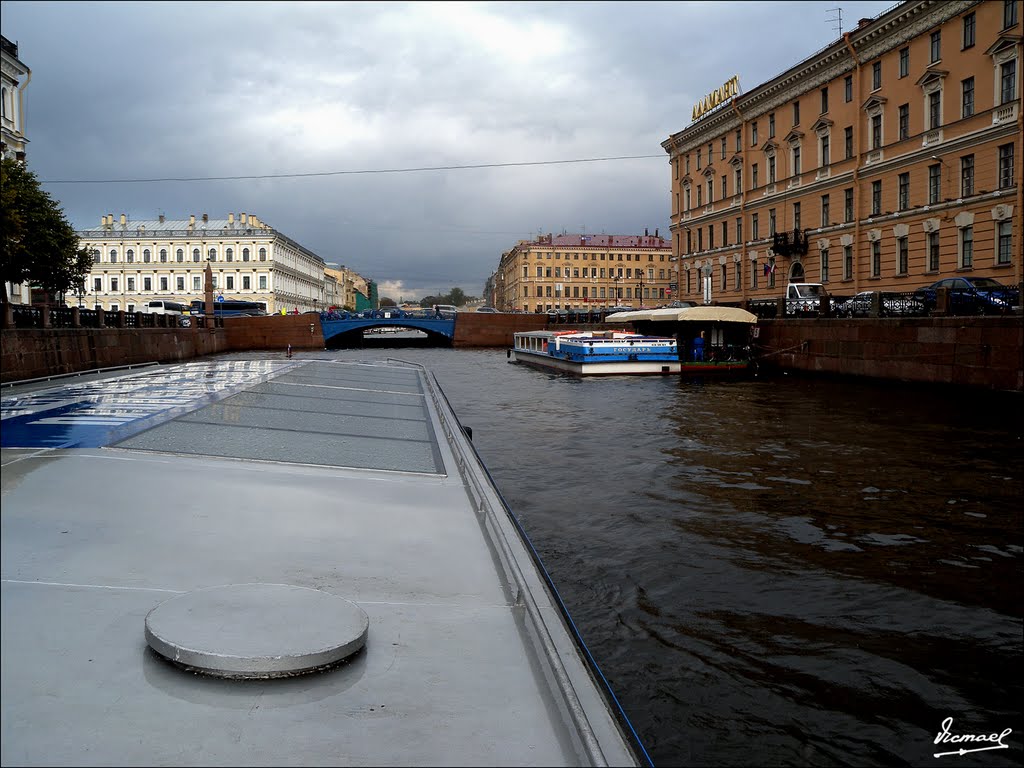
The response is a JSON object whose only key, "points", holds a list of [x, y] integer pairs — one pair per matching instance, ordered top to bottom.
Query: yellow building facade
{"points": [[887, 161], [574, 271]]}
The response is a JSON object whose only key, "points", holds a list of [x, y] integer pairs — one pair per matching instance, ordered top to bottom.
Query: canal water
{"points": [[785, 571]]}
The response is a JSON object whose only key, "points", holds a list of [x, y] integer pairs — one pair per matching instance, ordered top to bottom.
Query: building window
{"points": [[1009, 13], [969, 30], [936, 46], [904, 62], [876, 75], [1008, 81], [848, 88], [824, 100], [967, 102], [934, 110], [796, 113], [904, 121], [771, 126], [876, 132], [753, 134], [739, 139], [848, 141], [723, 149], [825, 151], [697, 153], [796, 160], [1006, 166], [771, 170], [966, 175], [753, 176], [738, 181], [934, 183], [711, 191], [725, 191], [904, 191], [700, 195], [876, 197], [686, 198], [848, 205], [796, 215], [825, 218], [771, 222], [739, 229], [755, 230], [725, 234], [1004, 236], [700, 239], [711, 240], [966, 247], [933, 251], [212, 254], [229, 254], [263, 254], [113, 256], [129, 256], [196, 256], [902, 256], [95, 257], [876, 259], [847, 262], [824, 265], [753, 274], [263, 282], [131, 283], [181, 283], [229, 283], [247, 283], [97, 284], [113, 284], [147, 284], [196, 284], [163, 285]]}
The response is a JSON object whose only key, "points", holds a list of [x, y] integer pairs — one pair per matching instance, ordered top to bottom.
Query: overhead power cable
{"points": [[353, 173]]}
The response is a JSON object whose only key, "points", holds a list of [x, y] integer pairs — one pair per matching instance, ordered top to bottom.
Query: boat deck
{"points": [[124, 491]]}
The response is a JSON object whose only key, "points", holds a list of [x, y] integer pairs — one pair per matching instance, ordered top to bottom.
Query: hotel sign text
{"points": [[715, 98]]}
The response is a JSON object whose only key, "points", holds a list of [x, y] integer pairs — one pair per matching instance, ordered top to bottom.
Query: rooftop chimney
{"points": [[863, 23], [161, 218], [244, 218], [124, 219], [191, 219], [206, 219], [231, 219], [110, 220], [645, 231], [656, 233]]}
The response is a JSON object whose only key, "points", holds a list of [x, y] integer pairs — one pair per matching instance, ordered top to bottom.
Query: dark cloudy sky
{"points": [[134, 90]]}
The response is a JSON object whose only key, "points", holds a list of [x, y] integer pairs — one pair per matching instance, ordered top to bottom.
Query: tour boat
{"points": [[688, 340], [596, 352]]}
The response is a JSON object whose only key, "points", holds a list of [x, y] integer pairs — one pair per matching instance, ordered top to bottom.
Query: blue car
{"points": [[972, 296]]}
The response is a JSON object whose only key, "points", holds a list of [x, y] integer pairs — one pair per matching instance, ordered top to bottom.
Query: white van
{"points": [[161, 307], [445, 309]]}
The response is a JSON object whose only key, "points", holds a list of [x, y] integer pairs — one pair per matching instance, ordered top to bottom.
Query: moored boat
{"points": [[591, 353]]}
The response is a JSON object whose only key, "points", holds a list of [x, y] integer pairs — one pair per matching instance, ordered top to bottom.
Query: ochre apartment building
{"points": [[887, 161], [575, 271]]}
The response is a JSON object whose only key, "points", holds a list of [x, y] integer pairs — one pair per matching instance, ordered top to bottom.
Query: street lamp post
{"points": [[640, 291]]}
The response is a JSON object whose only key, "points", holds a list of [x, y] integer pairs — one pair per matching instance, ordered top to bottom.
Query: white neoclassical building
{"points": [[14, 78], [135, 262]]}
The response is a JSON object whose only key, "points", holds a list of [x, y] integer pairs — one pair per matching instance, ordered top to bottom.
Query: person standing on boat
{"points": [[698, 348]]}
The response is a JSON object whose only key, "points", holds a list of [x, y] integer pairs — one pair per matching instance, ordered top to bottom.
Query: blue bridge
{"points": [[432, 323]]}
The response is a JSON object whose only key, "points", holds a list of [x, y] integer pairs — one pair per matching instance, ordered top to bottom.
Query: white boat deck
{"points": [[351, 479]]}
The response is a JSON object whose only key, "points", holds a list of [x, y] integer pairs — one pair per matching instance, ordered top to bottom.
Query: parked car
{"points": [[972, 295], [804, 298], [891, 304], [490, 310], [558, 315]]}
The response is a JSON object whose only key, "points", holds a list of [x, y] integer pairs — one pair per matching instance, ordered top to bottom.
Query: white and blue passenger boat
{"points": [[596, 352]]}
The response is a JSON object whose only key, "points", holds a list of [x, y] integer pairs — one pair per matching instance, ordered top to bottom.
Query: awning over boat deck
{"points": [[686, 314]]}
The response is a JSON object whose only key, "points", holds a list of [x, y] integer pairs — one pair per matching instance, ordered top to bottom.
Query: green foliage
{"points": [[38, 245], [456, 297], [386, 302]]}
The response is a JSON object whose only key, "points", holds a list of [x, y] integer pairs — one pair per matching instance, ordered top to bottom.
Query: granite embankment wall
{"points": [[981, 352], [986, 352], [29, 353]]}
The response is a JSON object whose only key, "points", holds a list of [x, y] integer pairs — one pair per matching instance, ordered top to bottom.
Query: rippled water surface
{"points": [[785, 572]]}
